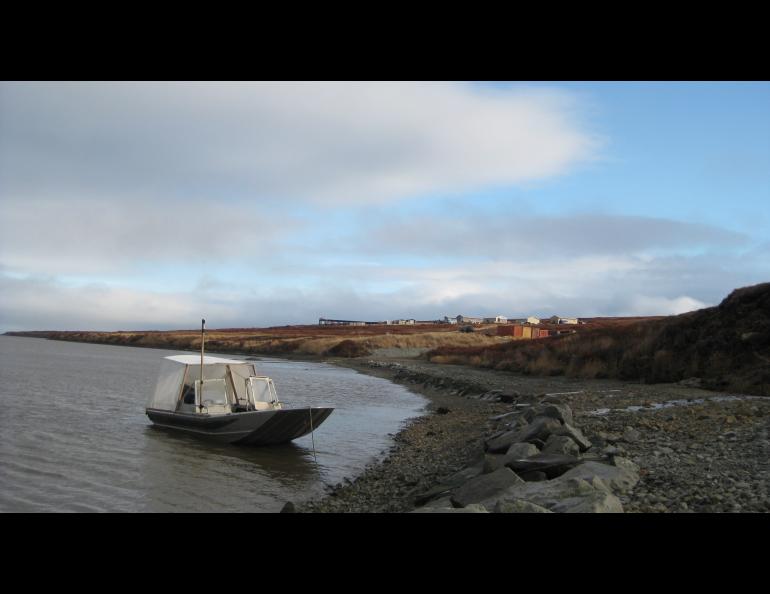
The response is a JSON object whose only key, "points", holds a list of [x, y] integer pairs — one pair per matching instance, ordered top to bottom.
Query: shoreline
{"points": [[700, 454]]}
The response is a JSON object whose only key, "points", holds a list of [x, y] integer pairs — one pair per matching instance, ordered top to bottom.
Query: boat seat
{"points": [[262, 405]]}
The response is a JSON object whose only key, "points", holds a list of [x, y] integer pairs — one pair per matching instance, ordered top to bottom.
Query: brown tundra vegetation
{"points": [[308, 340], [727, 347]]}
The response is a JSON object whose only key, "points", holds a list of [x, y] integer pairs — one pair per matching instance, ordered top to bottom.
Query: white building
{"points": [[469, 320], [496, 320], [533, 320]]}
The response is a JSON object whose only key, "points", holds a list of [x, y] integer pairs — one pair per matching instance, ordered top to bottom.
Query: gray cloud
{"points": [[350, 143], [73, 235], [509, 236]]}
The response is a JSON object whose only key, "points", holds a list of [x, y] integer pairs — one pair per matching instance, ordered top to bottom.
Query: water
{"points": [[600, 412], [74, 435]]}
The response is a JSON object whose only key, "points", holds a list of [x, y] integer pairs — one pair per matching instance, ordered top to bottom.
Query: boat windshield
{"points": [[262, 389], [214, 392]]}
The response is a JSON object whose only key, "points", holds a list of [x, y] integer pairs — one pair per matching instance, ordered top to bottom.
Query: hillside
{"points": [[727, 347]]}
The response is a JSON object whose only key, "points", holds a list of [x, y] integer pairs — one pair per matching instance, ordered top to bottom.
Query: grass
{"points": [[727, 346]]}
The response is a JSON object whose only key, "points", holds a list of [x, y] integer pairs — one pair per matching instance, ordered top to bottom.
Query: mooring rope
{"points": [[312, 436]]}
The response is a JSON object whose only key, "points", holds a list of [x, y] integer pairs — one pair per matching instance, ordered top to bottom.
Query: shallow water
{"points": [[670, 404], [74, 435]]}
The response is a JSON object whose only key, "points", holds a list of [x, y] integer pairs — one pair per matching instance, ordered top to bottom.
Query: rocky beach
{"points": [[494, 441]]}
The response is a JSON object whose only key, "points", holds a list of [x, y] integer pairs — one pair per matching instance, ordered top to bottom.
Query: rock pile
{"points": [[536, 461]]}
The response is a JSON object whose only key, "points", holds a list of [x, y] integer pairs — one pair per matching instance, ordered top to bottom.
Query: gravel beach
{"points": [[696, 450]]}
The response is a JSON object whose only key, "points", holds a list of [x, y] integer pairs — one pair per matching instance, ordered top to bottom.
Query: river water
{"points": [[74, 435]]}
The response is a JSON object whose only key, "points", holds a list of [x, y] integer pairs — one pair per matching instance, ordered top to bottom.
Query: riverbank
{"points": [[696, 450]]}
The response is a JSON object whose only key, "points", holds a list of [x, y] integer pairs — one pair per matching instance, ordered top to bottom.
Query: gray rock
{"points": [[560, 412], [539, 429], [574, 433], [631, 435], [561, 444], [521, 450], [492, 462], [626, 464], [552, 465], [618, 478], [449, 483], [484, 487], [565, 495], [442, 502], [598, 502], [519, 506], [470, 509]]}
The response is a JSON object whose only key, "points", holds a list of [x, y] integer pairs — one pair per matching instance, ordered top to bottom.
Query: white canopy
{"points": [[207, 360], [178, 370]]}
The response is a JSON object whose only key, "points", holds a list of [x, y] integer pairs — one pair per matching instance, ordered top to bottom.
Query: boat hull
{"points": [[264, 427]]}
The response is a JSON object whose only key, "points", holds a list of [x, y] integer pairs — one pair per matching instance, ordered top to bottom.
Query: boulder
{"points": [[560, 412], [539, 429], [575, 434], [561, 444], [521, 450], [492, 462], [625, 463], [552, 465], [617, 478], [445, 486], [484, 487], [432, 493], [564, 495], [442, 502], [598, 502], [519, 506], [470, 509]]}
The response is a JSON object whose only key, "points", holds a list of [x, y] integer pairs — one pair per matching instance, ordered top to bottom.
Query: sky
{"points": [[152, 205]]}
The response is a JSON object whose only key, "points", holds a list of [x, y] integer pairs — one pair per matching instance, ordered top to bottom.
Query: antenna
{"points": [[203, 339]]}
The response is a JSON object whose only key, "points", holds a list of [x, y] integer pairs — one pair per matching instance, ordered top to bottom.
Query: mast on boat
{"points": [[203, 339]]}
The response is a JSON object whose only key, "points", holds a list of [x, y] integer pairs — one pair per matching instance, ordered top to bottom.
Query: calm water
{"points": [[74, 436]]}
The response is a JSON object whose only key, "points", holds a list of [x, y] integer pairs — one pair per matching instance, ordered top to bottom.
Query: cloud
{"points": [[352, 143], [74, 235], [513, 236], [642, 305]]}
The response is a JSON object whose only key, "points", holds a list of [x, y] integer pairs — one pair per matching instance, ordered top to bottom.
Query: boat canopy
{"points": [[180, 370]]}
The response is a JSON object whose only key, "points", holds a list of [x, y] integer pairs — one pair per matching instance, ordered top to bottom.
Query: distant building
{"points": [[448, 320], [469, 320], [496, 320], [533, 320], [568, 320], [328, 322], [409, 322], [520, 332]]}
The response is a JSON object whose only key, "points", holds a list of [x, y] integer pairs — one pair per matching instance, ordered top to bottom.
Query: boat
{"points": [[226, 400]]}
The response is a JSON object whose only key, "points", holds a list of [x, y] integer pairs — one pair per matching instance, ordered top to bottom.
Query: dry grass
{"points": [[727, 346]]}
